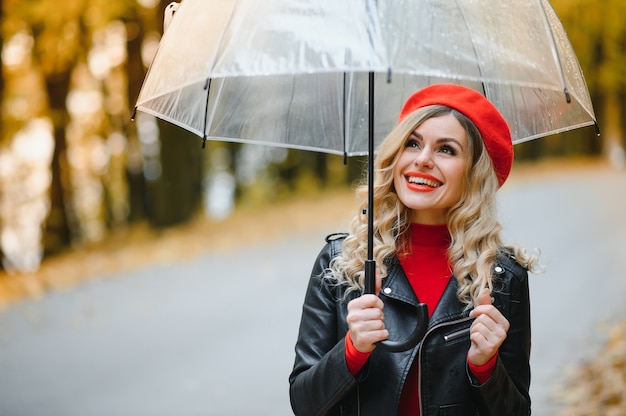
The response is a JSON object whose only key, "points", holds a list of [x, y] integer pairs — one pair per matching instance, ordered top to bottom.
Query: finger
{"points": [[379, 281], [485, 297], [366, 301], [484, 304], [368, 307], [362, 315], [491, 317], [366, 324], [485, 326], [491, 334], [365, 341], [483, 341], [485, 344], [481, 349]]}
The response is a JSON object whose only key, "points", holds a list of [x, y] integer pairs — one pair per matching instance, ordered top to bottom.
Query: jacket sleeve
{"points": [[320, 376], [506, 392]]}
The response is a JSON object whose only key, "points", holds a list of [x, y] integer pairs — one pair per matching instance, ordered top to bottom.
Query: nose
{"points": [[424, 158]]}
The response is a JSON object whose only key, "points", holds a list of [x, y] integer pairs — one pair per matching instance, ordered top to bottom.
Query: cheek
{"points": [[398, 170], [397, 178], [459, 179]]}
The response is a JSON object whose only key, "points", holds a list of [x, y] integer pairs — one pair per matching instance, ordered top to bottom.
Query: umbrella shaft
{"points": [[370, 264]]}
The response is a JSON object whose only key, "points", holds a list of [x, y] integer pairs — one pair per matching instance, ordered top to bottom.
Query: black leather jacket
{"points": [[320, 383]]}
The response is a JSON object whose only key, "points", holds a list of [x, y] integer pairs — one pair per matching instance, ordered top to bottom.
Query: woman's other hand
{"points": [[488, 331]]}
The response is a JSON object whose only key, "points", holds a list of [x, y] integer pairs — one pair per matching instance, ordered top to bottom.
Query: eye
{"points": [[412, 142], [448, 149]]}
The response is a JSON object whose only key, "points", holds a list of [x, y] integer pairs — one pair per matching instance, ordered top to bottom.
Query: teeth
{"points": [[423, 181]]}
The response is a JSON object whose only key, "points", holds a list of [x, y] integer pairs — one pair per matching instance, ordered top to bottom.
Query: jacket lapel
{"points": [[397, 286], [449, 307]]}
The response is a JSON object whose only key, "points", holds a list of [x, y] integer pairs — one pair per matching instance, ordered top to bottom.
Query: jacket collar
{"points": [[396, 286], [449, 307]]}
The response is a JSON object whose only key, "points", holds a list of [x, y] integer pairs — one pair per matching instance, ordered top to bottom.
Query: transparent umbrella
{"points": [[294, 73], [331, 76]]}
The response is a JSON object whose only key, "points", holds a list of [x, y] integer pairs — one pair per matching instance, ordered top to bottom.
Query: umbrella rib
{"points": [[469, 31], [220, 43], [559, 64], [207, 87], [290, 106], [345, 123]]}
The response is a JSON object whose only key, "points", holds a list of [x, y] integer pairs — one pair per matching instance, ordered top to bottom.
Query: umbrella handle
{"points": [[421, 311], [416, 336]]}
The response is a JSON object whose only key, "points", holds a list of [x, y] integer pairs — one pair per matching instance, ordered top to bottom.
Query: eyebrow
{"points": [[439, 140]]}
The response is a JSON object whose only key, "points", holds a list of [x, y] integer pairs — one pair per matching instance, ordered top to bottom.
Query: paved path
{"points": [[214, 336]]}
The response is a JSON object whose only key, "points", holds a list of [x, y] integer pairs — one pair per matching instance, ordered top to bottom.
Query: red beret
{"points": [[473, 105]]}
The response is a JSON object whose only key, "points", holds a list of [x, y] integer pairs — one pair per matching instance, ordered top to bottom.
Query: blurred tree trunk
{"points": [[598, 35], [57, 55], [135, 69], [1, 73], [611, 73], [611, 110], [2, 133], [321, 167], [357, 169], [175, 196], [57, 233]]}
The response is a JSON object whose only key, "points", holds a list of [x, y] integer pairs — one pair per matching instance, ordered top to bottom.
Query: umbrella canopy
{"points": [[294, 73], [307, 74]]}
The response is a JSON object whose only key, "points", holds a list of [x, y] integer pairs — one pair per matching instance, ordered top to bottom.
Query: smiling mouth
{"points": [[423, 181]]}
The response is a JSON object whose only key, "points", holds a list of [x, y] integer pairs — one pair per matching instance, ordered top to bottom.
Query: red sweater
{"points": [[427, 268]]}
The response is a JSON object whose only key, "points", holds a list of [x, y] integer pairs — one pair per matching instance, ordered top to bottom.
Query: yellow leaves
{"points": [[62, 30], [597, 31], [58, 49], [598, 387]]}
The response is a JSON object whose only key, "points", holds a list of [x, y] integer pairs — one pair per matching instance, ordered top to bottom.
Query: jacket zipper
{"points": [[454, 335]]}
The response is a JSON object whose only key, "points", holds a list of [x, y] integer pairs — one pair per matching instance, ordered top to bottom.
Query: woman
{"points": [[437, 242]]}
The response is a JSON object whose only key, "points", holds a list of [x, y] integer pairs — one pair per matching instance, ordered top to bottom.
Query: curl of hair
{"points": [[472, 222]]}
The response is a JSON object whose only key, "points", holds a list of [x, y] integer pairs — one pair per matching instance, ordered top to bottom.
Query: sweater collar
{"points": [[422, 235]]}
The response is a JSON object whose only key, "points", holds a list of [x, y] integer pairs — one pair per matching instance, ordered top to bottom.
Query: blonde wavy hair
{"points": [[472, 222]]}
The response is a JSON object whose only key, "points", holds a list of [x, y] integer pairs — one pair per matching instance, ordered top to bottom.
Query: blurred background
{"points": [[74, 168], [78, 177]]}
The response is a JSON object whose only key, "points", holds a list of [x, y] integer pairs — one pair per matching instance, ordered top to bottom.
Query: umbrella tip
{"points": [[168, 14], [568, 97], [134, 114], [204, 142]]}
